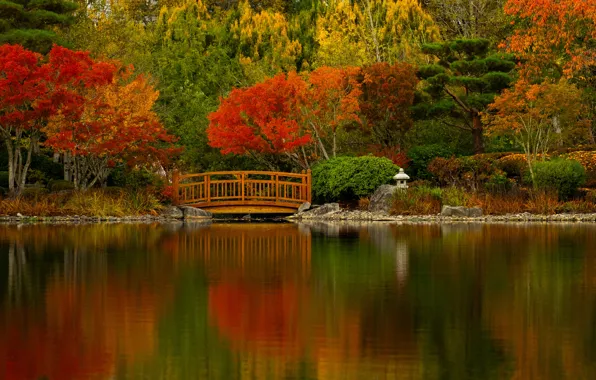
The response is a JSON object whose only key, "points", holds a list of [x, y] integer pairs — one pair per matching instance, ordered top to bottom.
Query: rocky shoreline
{"points": [[330, 214], [367, 216]]}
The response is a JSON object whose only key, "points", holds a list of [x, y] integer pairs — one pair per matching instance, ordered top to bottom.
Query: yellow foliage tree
{"points": [[407, 27], [341, 36], [264, 45]]}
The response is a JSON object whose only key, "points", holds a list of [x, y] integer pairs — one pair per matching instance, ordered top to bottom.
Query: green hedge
{"points": [[562, 176], [350, 178]]}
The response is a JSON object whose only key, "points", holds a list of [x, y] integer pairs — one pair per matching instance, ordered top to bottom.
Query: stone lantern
{"points": [[402, 179]]}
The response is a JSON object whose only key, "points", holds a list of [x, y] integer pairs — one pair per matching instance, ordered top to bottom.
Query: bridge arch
{"points": [[247, 192]]}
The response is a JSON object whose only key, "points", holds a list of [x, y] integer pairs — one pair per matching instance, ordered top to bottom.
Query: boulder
{"points": [[380, 201], [304, 207], [324, 209], [172, 212], [462, 212], [474, 212], [195, 213]]}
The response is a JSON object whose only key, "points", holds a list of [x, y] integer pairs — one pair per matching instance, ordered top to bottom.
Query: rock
{"points": [[380, 202], [304, 207], [324, 209], [172, 212], [190, 212], [462, 212], [474, 212], [246, 217]]}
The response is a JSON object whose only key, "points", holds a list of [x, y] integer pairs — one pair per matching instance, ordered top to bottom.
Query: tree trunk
{"points": [[477, 132]]}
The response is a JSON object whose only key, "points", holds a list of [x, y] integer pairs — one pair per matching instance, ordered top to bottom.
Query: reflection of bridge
{"points": [[243, 192], [261, 251]]}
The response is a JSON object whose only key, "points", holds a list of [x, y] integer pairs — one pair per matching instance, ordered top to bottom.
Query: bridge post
{"points": [[242, 185], [176, 187], [309, 187]]}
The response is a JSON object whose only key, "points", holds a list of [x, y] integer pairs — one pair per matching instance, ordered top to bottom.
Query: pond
{"points": [[298, 301]]}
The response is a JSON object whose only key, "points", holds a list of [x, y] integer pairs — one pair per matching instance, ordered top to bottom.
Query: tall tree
{"points": [[469, 18], [30, 23], [341, 36], [553, 36], [264, 45], [194, 64], [463, 82], [387, 95], [533, 114]]}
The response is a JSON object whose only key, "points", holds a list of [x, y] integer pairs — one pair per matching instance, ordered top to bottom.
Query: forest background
{"points": [[285, 84]]}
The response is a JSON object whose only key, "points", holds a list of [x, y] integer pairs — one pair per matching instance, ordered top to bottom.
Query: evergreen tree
{"points": [[30, 22], [463, 82]]}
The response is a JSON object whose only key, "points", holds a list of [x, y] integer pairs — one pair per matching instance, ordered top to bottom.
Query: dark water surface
{"points": [[283, 301]]}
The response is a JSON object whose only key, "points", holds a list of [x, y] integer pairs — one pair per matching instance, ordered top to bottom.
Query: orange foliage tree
{"points": [[555, 32], [387, 95], [287, 114], [533, 114], [261, 119], [113, 123]]}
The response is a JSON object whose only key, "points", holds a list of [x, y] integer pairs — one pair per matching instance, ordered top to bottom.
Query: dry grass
{"points": [[428, 201], [90, 203], [363, 204]]}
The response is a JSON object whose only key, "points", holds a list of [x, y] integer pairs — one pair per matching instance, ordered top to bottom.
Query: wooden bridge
{"points": [[243, 192]]}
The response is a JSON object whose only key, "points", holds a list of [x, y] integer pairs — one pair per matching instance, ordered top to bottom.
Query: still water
{"points": [[285, 301]]}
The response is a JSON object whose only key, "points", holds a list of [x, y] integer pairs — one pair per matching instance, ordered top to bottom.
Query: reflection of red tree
{"points": [[257, 316], [83, 332], [41, 350]]}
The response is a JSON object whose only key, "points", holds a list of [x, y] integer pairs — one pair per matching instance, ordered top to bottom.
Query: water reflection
{"points": [[309, 301]]}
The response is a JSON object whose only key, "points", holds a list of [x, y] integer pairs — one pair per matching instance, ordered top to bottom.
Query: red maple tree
{"points": [[260, 119]]}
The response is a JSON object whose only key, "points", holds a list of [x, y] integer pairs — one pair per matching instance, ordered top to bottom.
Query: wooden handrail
{"points": [[287, 190]]}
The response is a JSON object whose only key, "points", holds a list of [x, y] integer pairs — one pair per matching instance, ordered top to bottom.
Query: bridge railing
{"points": [[243, 188]]}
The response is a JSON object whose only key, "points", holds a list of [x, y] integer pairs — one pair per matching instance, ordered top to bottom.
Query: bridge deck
{"points": [[251, 192]]}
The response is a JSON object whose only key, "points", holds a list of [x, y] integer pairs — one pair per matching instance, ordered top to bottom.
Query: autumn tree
{"points": [[469, 18], [31, 23], [397, 29], [553, 35], [341, 36], [264, 45], [463, 82], [31, 92], [387, 95], [331, 105], [534, 114], [298, 118], [261, 120], [114, 124]]}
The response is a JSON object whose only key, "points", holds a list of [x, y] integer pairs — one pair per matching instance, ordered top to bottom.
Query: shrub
{"points": [[421, 156], [588, 161], [514, 165], [468, 172], [561, 176], [350, 178], [135, 179], [498, 183], [60, 185], [33, 192], [454, 196]]}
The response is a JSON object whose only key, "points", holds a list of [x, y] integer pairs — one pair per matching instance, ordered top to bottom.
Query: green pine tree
{"points": [[31, 22], [463, 82]]}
